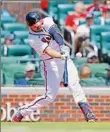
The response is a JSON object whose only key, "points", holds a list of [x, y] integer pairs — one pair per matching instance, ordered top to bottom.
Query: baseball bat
{"points": [[65, 75]]}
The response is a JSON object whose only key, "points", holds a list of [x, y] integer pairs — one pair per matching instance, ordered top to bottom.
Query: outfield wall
{"points": [[63, 109]]}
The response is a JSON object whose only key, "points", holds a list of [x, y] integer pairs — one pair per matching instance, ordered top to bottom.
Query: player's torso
{"points": [[36, 38]]}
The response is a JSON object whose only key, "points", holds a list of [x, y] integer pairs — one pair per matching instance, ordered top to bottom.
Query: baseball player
{"points": [[45, 38]]}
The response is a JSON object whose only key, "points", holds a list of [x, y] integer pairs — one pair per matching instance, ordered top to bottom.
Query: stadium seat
{"points": [[87, 2], [52, 8], [62, 12], [5, 13], [97, 14], [8, 19], [82, 21], [97, 21], [107, 22], [15, 27], [4, 33], [95, 33], [21, 34], [2, 40], [17, 41], [26, 41], [105, 41], [2, 50], [16, 50], [36, 55], [10, 60], [80, 61], [98, 68], [10, 70], [18, 75], [101, 75], [2, 79], [36, 82], [92, 82]]}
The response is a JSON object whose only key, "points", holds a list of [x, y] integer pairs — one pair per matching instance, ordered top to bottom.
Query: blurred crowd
{"points": [[83, 12], [82, 32], [81, 39]]}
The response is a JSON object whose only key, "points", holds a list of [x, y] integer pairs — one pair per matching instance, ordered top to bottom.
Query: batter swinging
{"points": [[45, 38]]}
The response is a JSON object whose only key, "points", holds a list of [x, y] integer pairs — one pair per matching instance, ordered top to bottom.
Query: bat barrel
{"points": [[65, 77]]}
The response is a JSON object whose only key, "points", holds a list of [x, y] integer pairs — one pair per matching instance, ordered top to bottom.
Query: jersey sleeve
{"points": [[48, 23], [39, 45], [42, 47]]}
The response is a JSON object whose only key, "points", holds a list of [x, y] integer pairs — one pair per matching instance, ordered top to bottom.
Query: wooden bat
{"points": [[65, 75]]}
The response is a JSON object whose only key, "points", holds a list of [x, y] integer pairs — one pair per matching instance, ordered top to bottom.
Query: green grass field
{"points": [[55, 127]]}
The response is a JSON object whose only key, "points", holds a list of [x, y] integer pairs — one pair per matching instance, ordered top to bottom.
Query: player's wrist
{"points": [[63, 57]]}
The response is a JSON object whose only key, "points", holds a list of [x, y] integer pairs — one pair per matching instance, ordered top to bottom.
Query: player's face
{"points": [[37, 26]]}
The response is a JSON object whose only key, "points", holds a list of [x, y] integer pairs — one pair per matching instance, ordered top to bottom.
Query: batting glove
{"points": [[65, 51], [63, 57]]}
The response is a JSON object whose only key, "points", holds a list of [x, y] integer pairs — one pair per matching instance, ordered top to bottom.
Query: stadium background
{"points": [[64, 109]]}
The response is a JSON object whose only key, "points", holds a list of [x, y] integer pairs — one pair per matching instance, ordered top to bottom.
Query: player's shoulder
{"points": [[48, 22]]}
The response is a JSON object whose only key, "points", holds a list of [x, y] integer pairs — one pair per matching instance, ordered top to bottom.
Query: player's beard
{"points": [[37, 27]]}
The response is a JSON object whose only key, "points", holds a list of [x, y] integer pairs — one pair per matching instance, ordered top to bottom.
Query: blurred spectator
{"points": [[107, 4], [44, 5], [96, 6], [105, 15], [72, 20], [84, 29], [82, 38], [9, 39], [8, 42], [92, 57], [84, 72], [29, 75], [108, 77]]}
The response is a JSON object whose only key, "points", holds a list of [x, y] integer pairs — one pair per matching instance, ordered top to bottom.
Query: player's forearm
{"points": [[51, 52]]}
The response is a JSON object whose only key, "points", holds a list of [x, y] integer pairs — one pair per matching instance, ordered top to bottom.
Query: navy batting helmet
{"points": [[32, 18]]}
